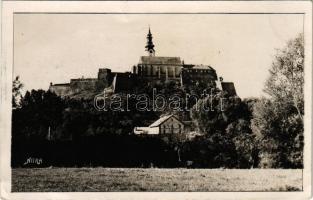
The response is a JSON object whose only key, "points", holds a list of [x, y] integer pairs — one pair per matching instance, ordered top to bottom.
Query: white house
{"points": [[168, 124]]}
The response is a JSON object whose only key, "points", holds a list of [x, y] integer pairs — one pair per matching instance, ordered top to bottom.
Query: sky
{"points": [[240, 47]]}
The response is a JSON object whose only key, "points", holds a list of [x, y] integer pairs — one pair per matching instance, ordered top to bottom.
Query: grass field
{"points": [[158, 180]]}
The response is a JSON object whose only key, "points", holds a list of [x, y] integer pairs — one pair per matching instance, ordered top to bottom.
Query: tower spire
{"points": [[150, 46]]}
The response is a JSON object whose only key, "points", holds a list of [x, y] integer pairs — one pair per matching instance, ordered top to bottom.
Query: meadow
{"points": [[154, 179]]}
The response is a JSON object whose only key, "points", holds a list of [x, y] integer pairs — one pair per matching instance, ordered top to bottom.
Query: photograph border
{"points": [[11, 8]]}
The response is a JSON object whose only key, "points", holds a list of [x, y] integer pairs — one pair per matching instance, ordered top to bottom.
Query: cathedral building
{"points": [[151, 68], [156, 68], [160, 69]]}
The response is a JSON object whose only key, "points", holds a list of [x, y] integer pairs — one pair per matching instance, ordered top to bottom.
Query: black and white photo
{"points": [[129, 97]]}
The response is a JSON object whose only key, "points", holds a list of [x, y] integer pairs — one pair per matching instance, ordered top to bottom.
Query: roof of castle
{"points": [[160, 60], [202, 67], [83, 79], [61, 84]]}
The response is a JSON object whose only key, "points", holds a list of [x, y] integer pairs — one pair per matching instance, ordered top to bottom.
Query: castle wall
{"points": [[161, 67], [151, 69], [104, 73], [198, 74], [105, 78], [123, 82], [78, 85], [229, 87], [60, 89]]}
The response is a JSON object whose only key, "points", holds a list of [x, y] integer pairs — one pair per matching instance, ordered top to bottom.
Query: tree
{"points": [[285, 83], [16, 92], [39, 112], [214, 112], [278, 120], [226, 127], [177, 141], [244, 141]]}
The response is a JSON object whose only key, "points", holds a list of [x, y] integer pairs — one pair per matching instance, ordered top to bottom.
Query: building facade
{"points": [[158, 69]]}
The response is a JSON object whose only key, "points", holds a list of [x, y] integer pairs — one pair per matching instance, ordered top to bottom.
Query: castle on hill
{"points": [[152, 69]]}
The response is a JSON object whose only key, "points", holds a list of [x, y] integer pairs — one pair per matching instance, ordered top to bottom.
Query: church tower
{"points": [[150, 45]]}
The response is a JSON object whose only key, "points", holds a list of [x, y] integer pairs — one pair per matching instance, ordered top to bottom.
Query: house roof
{"points": [[161, 120]]}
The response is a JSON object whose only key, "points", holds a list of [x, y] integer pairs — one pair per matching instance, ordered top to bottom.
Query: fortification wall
{"points": [[157, 70], [190, 76], [105, 78], [78, 85], [60, 89]]}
